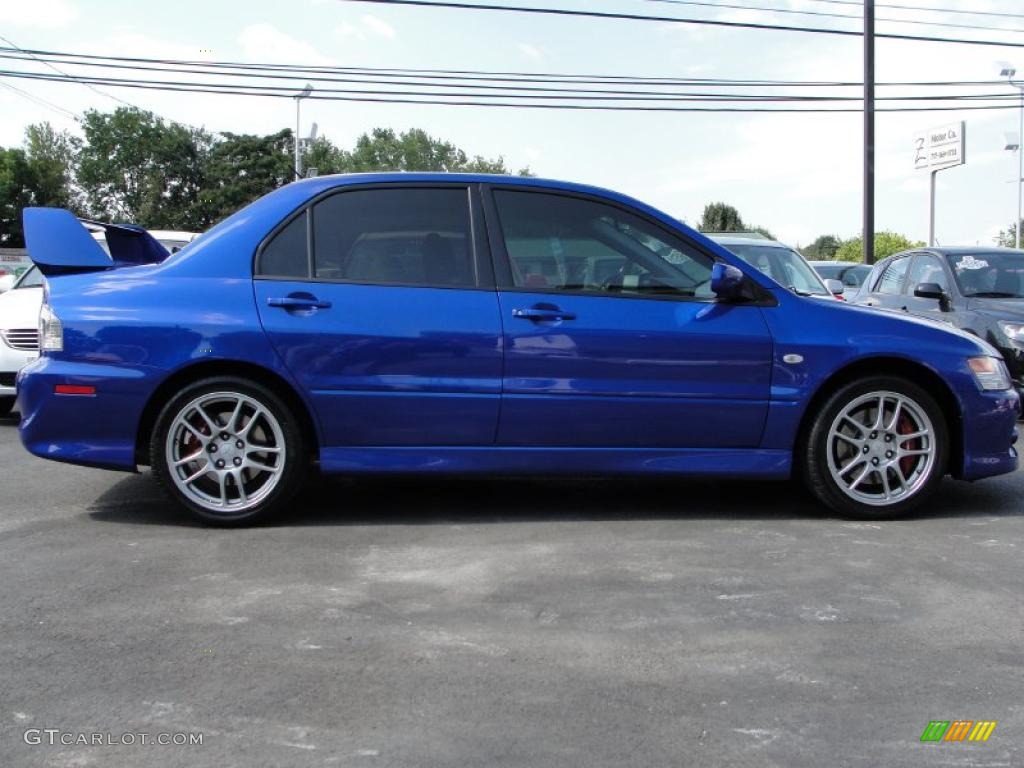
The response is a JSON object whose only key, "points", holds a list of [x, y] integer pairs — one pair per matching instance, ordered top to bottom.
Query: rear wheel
{"points": [[877, 449], [229, 450]]}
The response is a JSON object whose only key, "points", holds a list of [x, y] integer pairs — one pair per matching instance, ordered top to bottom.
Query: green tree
{"points": [[415, 150], [52, 159], [138, 167], [239, 169], [17, 190], [721, 217], [1007, 238], [886, 244], [824, 247]]}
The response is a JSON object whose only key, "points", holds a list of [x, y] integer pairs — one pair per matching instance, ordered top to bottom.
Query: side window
{"points": [[395, 236], [564, 243], [287, 255], [927, 269], [892, 279]]}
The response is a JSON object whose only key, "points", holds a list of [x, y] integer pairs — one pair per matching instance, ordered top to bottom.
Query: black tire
{"points": [[6, 404], [819, 457], [289, 473]]}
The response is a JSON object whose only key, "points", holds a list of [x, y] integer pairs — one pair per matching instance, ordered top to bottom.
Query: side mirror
{"points": [[726, 281], [835, 287], [933, 291]]}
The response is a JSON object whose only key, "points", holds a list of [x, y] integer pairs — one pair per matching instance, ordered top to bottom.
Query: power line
{"points": [[930, 9], [825, 14], [678, 20], [55, 69], [398, 75], [474, 100], [40, 101]]}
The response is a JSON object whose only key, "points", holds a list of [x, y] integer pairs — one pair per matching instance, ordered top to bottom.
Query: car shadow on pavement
{"points": [[473, 500]]}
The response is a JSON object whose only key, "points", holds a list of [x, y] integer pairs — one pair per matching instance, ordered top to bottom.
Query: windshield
{"points": [[782, 265], [989, 275], [33, 278]]}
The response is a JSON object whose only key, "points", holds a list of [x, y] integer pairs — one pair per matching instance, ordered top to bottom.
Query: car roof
{"points": [[745, 240], [954, 250], [830, 263]]}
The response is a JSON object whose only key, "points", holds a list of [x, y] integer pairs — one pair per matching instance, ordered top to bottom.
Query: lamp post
{"points": [[1009, 71], [304, 93]]}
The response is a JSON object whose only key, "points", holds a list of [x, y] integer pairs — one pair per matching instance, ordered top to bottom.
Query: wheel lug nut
{"points": [[874, 435], [224, 436], [888, 438], [239, 444], [212, 448], [866, 449], [888, 454], [874, 461], [238, 462], [220, 463]]}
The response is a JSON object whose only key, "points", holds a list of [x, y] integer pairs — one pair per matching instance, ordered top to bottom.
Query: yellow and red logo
{"points": [[958, 730]]}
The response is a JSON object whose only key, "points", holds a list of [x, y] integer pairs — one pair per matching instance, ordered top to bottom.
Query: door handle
{"points": [[298, 302], [538, 314]]}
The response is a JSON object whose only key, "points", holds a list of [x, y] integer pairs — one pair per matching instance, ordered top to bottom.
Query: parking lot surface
{"points": [[513, 622]]}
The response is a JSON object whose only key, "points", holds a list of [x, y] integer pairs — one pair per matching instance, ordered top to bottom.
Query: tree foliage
{"points": [[138, 167], [16, 192], [722, 217], [1007, 238], [886, 244], [823, 248]]}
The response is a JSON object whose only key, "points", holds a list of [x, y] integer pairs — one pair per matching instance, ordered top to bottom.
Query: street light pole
{"points": [[1009, 71], [869, 131], [298, 151]]}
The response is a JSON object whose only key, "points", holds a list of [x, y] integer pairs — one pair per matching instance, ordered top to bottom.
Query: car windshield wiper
{"points": [[993, 295]]}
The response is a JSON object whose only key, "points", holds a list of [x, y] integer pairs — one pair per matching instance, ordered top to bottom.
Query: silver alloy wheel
{"points": [[881, 448], [225, 451]]}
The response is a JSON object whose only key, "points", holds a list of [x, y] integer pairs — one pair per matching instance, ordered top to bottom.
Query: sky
{"points": [[797, 175]]}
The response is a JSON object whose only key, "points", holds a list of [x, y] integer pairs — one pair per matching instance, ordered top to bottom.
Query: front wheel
{"points": [[877, 448], [229, 450]]}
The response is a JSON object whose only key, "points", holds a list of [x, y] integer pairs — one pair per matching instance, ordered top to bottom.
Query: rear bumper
{"points": [[95, 430]]}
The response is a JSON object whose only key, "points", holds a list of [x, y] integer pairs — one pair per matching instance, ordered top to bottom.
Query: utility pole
{"points": [[869, 132], [298, 151]]}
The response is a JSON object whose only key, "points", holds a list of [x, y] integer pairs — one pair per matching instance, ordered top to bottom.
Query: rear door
{"points": [[887, 292], [379, 303], [612, 336]]}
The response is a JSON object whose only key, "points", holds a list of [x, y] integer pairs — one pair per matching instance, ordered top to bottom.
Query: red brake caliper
{"points": [[905, 427]]}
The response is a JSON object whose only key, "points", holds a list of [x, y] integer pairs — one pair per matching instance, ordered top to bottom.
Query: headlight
{"points": [[1012, 331], [51, 332], [990, 373]]}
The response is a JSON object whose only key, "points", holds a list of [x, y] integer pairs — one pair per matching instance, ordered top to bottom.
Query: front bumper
{"points": [[11, 361], [97, 430], [990, 434]]}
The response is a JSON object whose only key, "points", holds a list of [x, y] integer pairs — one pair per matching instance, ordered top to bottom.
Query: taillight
{"points": [[51, 332]]}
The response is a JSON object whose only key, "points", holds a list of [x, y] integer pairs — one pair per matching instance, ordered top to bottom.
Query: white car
{"points": [[19, 316]]}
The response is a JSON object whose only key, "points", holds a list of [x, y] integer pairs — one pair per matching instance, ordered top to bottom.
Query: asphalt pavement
{"points": [[513, 622]]}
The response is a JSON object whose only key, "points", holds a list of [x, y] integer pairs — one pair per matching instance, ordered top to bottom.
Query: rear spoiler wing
{"points": [[58, 243]]}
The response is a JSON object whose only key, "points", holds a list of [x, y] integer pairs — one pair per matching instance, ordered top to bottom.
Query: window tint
{"points": [[405, 236], [563, 243], [287, 254], [927, 269], [892, 278]]}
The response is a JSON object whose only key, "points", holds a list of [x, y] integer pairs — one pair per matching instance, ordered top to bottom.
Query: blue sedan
{"points": [[429, 323]]}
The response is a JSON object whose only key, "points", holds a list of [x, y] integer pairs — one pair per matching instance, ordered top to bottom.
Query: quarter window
{"points": [[395, 236], [561, 243], [287, 255], [892, 279]]}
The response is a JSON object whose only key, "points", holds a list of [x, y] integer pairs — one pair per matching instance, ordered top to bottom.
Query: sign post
{"points": [[935, 150]]}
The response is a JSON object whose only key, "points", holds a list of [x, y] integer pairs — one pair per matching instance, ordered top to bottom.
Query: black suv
{"points": [[980, 290]]}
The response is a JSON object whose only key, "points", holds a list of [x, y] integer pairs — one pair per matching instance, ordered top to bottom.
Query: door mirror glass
{"points": [[726, 281], [835, 287], [929, 291]]}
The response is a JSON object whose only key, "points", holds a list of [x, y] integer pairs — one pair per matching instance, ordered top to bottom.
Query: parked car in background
{"points": [[781, 263], [850, 273], [979, 290], [19, 314], [450, 323]]}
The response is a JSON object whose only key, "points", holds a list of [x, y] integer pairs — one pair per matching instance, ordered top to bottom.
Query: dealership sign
{"points": [[941, 147]]}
